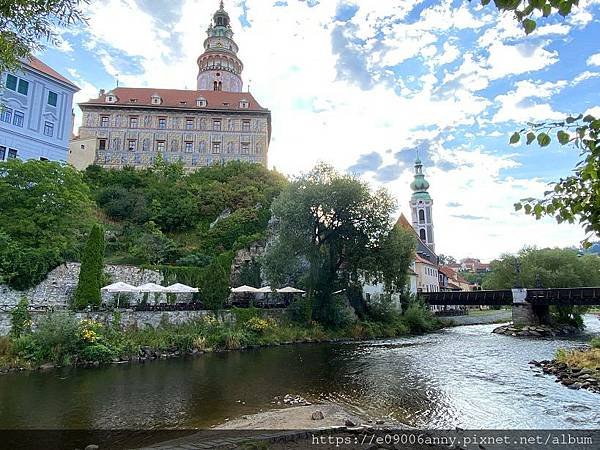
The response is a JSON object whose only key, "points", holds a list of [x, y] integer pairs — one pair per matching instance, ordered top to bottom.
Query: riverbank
{"points": [[482, 317], [60, 340]]}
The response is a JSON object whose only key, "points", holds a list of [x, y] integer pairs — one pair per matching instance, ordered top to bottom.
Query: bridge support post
{"points": [[524, 313]]}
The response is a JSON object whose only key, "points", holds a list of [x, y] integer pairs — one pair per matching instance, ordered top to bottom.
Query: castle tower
{"points": [[219, 67], [421, 205]]}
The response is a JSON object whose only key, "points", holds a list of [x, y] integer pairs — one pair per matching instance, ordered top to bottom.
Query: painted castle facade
{"points": [[214, 124]]}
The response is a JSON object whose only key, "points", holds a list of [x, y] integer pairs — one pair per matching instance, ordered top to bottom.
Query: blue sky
{"points": [[363, 84]]}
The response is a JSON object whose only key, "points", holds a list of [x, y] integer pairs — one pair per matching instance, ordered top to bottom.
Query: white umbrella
{"points": [[119, 287], [151, 287], [179, 288], [243, 289], [290, 290]]}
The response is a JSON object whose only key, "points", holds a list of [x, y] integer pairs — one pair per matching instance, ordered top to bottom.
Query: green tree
{"points": [[25, 24], [577, 196], [45, 211], [327, 226], [91, 272], [215, 287], [20, 319]]}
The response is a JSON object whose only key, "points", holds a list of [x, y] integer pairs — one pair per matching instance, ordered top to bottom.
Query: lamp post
{"points": [[518, 282]]}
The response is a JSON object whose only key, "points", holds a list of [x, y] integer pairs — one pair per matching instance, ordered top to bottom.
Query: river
{"points": [[464, 376]]}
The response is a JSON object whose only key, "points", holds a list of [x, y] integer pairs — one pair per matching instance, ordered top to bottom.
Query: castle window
{"points": [[11, 82], [216, 86], [52, 98], [110, 98], [133, 100], [156, 100], [201, 102], [244, 104], [6, 115], [18, 119], [104, 121], [133, 122], [162, 123], [189, 124], [217, 125], [246, 125], [48, 129], [101, 144], [132, 145], [161, 146], [189, 147], [216, 147], [245, 148], [2, 152], [12, 153], [421, 216], [422, 234]]}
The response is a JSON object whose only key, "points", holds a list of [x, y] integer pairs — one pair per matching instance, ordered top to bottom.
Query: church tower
{"points": [[219, 67], [421, 205]]}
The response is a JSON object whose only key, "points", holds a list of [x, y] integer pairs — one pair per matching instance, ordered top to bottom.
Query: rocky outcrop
{"points": [[243, 257], [537, 330], [571, 377]]}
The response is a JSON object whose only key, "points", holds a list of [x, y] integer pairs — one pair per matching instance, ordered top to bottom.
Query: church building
{"points": [[213, 124]]}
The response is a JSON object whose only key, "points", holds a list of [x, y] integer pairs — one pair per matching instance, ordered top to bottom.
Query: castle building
{"points": [[36, 112], [214, 124], [421, 207]]}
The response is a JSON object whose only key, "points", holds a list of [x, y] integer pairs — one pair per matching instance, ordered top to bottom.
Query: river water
{"points": [[464, 376]]}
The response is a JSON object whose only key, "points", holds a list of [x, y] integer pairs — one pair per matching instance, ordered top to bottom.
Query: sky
{"points": [[364, 85]]}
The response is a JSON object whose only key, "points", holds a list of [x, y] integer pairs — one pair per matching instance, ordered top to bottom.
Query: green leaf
{"points": [[485, 2], [565, 8], [546, 10], [529, 25], [589, 118], [595, 125], [530, 137], [563, 137], [515, 138], [543, 140], [518, 206]]}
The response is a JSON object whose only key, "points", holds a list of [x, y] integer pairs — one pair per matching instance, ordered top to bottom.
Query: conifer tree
{"points": [[90, 275]]}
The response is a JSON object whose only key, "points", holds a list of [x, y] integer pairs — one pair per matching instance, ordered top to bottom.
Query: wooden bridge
{"points": [[530, 306]]}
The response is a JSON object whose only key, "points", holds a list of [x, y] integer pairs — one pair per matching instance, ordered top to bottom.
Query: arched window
{"points": [[216, 86], [220, 86], [421, 216], [422, 234]]}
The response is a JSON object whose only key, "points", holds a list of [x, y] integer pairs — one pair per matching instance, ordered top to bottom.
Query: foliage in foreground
{"points": [[59, 338], [584, 359]]}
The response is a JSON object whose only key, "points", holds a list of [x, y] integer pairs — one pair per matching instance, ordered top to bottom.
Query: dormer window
{"points": [[111, 98], [155, 99], [133, 100], [183, 102], [201, 102], [225, 104], [244, 104]]}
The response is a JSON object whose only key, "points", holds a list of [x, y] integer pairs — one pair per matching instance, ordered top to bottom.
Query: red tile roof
{"points": [[38, 65], [178, 98], [424, 261]]}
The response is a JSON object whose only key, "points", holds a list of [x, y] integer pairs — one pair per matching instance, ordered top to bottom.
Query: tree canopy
{"points": [[26, 24], [329, 229]]}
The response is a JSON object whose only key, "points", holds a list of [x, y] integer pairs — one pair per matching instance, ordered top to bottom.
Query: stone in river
{"points": [[317, 415]]}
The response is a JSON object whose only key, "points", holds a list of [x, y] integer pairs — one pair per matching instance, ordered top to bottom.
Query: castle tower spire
{"points": [[219, 67], [421, 206]]}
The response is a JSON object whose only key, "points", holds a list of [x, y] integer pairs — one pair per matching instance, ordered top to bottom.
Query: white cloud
{"points": [[594, 60], [522, 105]]}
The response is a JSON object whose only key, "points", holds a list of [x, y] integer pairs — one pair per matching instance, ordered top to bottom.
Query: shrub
{"points": [[91, 273], [216, 287], [300, 311], [243, 315], [418, 318], [20, 319], [258, 325], [57, 338], [234, 339], [595, 343], [200, 344], [5, 345], [97, 352]]}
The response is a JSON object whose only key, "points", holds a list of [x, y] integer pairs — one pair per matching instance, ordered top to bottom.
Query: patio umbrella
{"points": [[119, 287], [151, 287], [179, 288], [243, 289], [265, 290], [290, 290]]}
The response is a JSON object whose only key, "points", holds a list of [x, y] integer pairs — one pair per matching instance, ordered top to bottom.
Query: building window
{"points": [[11, 82], [23, 87], [52, 98], [156, 100], [201, 102], [244, 104], [6, 114], [18, 119], [104, 121], [133, 122], [162, 123], [189, 124], [217, 125], [246, 125], [48, 129], [101, 144], [132, 145], [161, 146], [189, 147], [216, 147], [245, 148], [2, 153], [12, 153], [421, 216], [422, 235]]}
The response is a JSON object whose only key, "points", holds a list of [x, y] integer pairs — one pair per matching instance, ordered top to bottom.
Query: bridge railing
{"points": [[491, 298]]}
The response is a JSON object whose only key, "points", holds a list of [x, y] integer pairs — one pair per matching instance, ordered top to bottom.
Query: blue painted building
{"points": [[36, 113]]}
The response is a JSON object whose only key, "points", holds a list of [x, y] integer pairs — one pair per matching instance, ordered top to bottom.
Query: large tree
{"points": [[26, 24], [575, 197], [45, 210], [331, 229], [92, 270]]}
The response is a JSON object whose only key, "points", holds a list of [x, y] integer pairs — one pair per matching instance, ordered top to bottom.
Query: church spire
{"points": [[421, 206]]}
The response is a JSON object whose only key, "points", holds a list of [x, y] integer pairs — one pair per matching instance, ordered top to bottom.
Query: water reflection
{"points": [[463, 376]]}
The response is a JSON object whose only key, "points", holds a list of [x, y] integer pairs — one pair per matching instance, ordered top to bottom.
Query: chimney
{"points": [[101, 92]]}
